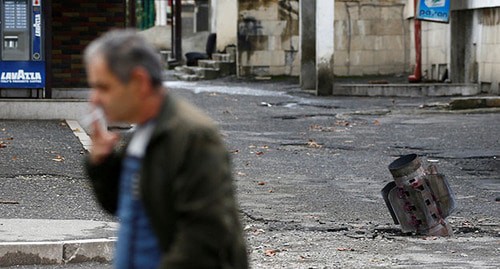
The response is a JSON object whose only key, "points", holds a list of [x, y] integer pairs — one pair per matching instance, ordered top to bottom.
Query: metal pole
{"points": [[47, 11], [132, 18], [178, 30], [417, 75]]}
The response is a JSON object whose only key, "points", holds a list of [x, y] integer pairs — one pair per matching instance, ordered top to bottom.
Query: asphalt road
{"points": [[308, 171]]}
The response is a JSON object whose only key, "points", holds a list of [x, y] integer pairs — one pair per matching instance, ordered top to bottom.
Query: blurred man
{"points": [[171, 184]]}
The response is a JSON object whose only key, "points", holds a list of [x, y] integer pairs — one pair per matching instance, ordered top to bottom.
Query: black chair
{"points": [[192, 58]]}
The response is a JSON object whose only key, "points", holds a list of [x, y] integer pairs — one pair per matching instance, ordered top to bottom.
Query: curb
{"points": [[406, 90], [475, 102], [80, 133], [57, 252]]}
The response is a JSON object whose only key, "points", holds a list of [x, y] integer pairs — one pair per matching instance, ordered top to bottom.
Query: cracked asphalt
{"points": [[308, 171]]}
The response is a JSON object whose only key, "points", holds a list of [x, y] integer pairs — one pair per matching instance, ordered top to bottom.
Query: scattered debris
{"points": [[343, 123], [319, 128], [313, 144], [58, 158], [261, 183], [8, 202], [345, 249], [271, 252]]}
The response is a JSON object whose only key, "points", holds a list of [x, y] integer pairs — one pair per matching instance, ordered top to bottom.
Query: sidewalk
{"points": [[41, 177], [42, 241]]}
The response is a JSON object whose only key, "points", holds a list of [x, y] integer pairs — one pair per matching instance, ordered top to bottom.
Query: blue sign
{"points": [[434, 10], [36, 52], [22, 74]]}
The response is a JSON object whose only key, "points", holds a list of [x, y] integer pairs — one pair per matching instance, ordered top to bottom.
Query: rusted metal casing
{"points": [[419, 199]]}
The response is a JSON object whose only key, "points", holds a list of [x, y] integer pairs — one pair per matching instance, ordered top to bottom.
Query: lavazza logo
{"points": [[38, 25], [21, 77]]}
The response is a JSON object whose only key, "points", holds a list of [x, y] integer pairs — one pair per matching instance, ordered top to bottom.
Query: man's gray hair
{"points": [[124, 50]]}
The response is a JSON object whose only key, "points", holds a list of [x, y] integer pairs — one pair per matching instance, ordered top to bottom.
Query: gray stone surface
{"points": [[308, 173], [37, 230]]}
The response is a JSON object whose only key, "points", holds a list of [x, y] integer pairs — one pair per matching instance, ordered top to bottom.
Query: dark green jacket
{"points": [[186, 188]]}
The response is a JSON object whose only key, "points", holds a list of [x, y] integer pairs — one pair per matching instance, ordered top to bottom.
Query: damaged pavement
{"points": [[308, 171]]}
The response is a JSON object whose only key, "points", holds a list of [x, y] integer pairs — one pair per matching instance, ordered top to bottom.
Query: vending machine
{"points": [[22, 63]]}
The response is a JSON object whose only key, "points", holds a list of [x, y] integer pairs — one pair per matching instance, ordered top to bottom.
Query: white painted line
{"points": [[79, 132]]}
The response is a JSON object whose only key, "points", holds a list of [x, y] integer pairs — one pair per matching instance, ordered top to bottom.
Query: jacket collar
{"points": [[166, 119]]}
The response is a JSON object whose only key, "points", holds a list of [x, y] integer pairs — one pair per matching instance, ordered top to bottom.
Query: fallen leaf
{"points": [[376, 122], [342, 123], [76, 130], [2, 144], [313, 144], [236, 151], [259, 153], [14, 158], [58, 158], [241, 174], [261, 183], [271, 191], [258, 231], [345, 249], [271, 252]]}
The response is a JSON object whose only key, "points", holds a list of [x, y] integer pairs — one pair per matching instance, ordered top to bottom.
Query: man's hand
{"points": [[103, 143]]}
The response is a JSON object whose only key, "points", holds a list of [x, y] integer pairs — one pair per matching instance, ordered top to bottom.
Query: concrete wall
{"points": [[226, 23], [74, 25], [268, 37], [371, 38], [468, 47], [435, 50], [489, 50]]}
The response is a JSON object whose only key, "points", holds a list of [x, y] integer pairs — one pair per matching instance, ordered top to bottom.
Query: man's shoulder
{"points": [[191, 117]]}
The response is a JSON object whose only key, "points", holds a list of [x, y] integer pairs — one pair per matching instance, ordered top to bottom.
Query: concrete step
{"points": [[224, 57], [208, 64], [225, 68], [192, 73], [187, 77], [406, 90], [475, 102]]}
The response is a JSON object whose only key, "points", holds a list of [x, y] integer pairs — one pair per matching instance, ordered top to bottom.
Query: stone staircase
{"points": [[221, 65]]}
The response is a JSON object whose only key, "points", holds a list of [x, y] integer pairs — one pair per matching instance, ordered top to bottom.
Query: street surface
{"points": [[308, 172]]}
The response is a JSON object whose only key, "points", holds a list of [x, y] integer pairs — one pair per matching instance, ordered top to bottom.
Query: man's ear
{"points": [[141, 79]]}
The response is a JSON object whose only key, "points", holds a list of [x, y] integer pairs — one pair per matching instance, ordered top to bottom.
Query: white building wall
{"points": [[162, 9], [226, 23], [371, 38], [435, 50], [489, 50]]}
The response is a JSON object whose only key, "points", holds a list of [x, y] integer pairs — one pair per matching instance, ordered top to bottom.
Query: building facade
{"points": [[373, 37]]}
